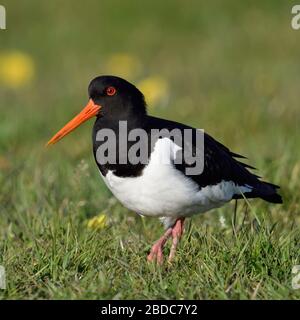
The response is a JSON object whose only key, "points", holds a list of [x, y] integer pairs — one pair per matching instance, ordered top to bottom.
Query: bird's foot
{"points": [[177, 232], [156, 252]]}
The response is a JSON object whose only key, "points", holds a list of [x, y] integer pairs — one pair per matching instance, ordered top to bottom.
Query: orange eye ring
{"points": [[110, 91]]}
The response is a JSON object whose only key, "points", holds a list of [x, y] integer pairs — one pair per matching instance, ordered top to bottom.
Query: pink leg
{"points": [[177, 232], [156, 252]]}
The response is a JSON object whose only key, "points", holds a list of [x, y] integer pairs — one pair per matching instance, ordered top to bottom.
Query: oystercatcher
{"points": [[157, 188]]}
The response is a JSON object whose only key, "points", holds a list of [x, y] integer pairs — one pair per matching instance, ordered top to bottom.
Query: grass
{"points": [[232, 69]]}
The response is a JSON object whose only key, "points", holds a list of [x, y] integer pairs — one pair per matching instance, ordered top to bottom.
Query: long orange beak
{"points": [[89, 111]]}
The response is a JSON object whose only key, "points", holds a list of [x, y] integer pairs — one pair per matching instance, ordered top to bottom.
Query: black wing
{"points": [[220, 164]]}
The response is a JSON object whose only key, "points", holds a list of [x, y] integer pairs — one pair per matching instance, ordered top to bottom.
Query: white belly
{"points": [[163, 191]]}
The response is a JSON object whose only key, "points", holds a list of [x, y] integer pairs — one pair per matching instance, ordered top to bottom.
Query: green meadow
{"points": [[231, 68]]}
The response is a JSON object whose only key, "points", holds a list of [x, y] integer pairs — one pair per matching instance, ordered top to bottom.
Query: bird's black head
{"points": [[118, 98], [111, 99]]}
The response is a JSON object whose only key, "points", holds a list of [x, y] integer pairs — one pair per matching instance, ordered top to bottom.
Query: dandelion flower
{"points": [[123, 65], [16, 69], [155, 90], [97, 223]]}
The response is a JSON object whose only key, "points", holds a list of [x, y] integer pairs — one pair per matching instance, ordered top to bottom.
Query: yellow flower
{"points": [[123, 65], [16, 69], [155, 89], [97, 223]]}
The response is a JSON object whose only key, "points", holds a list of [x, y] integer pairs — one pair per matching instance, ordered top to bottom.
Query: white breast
{"points": [[164, 191]]}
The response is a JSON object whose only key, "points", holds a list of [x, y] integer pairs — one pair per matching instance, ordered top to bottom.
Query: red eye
{"points": [[110, 91]]}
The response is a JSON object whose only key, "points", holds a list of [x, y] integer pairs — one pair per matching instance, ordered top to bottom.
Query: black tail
{"points": [[264, 190], [269, 192], [273, 198]]}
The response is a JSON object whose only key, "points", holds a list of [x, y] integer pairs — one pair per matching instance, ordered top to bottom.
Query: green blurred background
{"points": [[231, 68]]}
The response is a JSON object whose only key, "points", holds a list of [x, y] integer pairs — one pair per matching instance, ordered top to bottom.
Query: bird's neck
{"points": [[131, 122], [118, 130]]}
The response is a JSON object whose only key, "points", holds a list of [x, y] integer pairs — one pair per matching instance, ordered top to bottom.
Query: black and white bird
{"points": [[156, 188]]}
